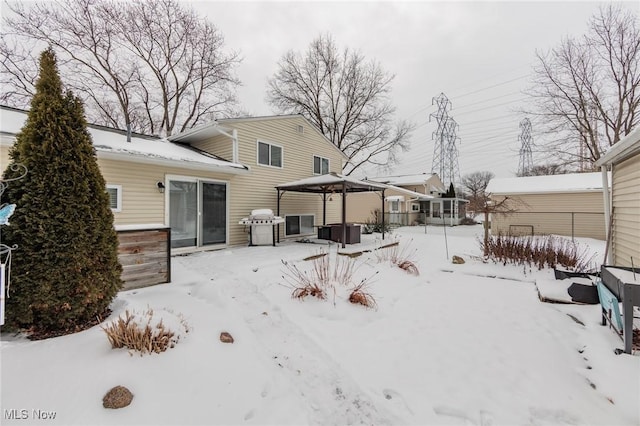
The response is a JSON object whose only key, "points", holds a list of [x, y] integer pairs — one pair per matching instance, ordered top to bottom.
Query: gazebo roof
{"points": [[331, 182]]}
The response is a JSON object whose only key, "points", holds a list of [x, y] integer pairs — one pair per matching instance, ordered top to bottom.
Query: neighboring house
{"points": [[201, 182], [410, 200], [623, 202], [568, 204]]}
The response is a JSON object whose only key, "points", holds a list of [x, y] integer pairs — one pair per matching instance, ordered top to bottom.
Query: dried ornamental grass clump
{"points": [[400, 257], [326, 275], [321, 278], [308, 290], [360, 297], [144, 332]]}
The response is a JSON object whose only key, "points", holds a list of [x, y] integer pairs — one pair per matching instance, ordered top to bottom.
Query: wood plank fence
{"points": [[145, 256]]}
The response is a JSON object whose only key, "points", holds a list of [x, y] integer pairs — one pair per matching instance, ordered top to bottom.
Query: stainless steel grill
{"points": [[259, 222]]}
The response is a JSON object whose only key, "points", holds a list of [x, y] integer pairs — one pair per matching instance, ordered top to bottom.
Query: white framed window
{"points": [[269, 154], [320, 165], [115, 197], [394, 206], [415, 207], [299, 224]]}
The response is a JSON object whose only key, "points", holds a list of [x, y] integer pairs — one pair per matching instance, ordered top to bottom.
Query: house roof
{"points": [[223, 126], [112, 144], [626, 147], [414, 179], [572, 182], [410, 193]]}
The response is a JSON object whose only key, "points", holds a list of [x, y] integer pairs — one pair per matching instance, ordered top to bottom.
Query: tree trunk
{"points": [[486, 233]]}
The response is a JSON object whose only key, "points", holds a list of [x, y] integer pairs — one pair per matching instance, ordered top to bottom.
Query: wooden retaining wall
{"points": [[145, 256]]}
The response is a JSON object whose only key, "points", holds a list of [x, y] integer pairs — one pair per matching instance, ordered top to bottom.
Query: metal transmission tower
{"points": [[526, 141], [445, 151], [452, 174]]}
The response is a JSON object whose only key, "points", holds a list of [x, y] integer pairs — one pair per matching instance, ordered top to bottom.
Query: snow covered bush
{"points": [[146, 333]]}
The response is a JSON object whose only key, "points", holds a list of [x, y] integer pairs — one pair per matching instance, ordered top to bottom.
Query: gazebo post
{"points": [[324, 209], [278, 214], [344, 214], [382, 214]]}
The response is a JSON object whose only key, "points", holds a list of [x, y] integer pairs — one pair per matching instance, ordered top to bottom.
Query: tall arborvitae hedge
{"points": [[65, 271]]}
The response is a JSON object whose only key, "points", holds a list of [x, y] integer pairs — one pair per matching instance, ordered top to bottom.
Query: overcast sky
{"points": [[479, 54]]}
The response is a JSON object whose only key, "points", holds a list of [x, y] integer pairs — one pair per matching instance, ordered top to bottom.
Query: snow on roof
{"points": [[112, 143], [415, 179], [572, 182], [413, 194]]}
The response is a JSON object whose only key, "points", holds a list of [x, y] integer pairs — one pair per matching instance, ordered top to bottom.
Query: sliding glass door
{"points": [[197, 212], [213, 227]]}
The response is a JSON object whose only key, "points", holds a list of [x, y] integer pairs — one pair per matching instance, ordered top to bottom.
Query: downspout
{"points": [[234, 138], [234, 143], [607, 209]]}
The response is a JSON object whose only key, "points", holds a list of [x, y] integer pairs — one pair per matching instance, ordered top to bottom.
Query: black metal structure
{"points": [[329, 184]]}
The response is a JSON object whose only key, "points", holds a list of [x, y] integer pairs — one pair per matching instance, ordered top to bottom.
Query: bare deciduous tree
{"points": [[151, 65], [587, 90], [345, 97], [545, 170], [475, 186], [480, 200]]}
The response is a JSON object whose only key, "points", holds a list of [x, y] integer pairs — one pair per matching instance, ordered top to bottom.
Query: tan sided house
{"points": [[196, 186], [410, 200], [623, 202], [569, 204]]}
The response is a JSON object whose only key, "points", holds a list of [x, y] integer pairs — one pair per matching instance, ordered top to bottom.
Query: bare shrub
{"points": [[548, 251], [402, 257], [359, 296], [142, 332]]}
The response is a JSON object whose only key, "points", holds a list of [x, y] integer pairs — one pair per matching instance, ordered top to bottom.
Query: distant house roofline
{"points": [[563, 183]]}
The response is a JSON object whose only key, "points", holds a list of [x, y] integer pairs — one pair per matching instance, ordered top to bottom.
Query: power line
{"points": [[491, 87], [490, 99], [491, 106]]}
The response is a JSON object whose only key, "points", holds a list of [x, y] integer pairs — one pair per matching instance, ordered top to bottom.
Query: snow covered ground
{"points": [[458, 344]]}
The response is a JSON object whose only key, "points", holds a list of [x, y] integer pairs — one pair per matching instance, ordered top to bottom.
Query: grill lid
{"points": [[258, 214]]}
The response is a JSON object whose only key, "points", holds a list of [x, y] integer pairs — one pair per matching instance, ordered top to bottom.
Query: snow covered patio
{"points": [[458, 344]]}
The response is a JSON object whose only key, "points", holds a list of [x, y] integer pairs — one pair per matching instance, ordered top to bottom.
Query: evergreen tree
{"points": [[451, 192], [65, 272]]}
